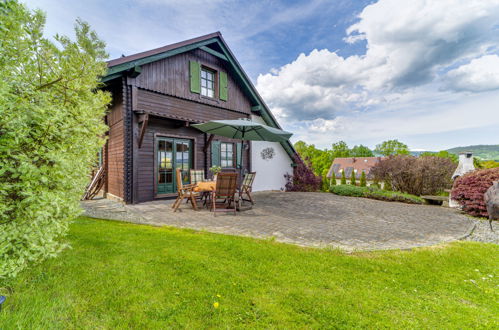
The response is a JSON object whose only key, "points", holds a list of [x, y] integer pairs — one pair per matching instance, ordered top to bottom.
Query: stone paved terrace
{"points": [[307, 219]]}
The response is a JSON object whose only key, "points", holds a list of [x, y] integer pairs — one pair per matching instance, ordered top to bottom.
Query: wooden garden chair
{"points": [[196, 177], [246, 187], [225, 190], [184, 191]]}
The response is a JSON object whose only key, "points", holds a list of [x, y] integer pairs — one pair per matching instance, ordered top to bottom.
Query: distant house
{"points": [[353, 164]]}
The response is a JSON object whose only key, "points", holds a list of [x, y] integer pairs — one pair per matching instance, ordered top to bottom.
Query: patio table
{"points": [[205, 186]]}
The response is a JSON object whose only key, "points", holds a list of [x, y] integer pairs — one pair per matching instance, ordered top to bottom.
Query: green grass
{"points": [[375, 193], [120, 275]]}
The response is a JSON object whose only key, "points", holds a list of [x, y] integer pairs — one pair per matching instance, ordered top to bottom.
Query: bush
{"points": [[51, 129], [416, 176], [343, 178], [303, 179], [333, 179], [353, 181], [363, 181], [469, 189], [348, 190], [373, 193], [393, 196]]}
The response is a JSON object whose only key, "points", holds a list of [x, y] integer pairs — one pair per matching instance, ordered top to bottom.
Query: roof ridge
{"points": [[154, 51]]}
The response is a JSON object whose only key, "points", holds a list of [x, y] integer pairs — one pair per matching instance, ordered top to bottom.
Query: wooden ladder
{"points": [[96, 184]]}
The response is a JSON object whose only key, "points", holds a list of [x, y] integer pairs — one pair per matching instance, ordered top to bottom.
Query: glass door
{"points": [[172, 154]]}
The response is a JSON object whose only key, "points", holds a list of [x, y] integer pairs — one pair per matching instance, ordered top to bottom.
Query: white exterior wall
{"points": [[269, 172]]}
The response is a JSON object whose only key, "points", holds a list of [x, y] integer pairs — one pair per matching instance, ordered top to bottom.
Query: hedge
{"points": [[374, 193]]}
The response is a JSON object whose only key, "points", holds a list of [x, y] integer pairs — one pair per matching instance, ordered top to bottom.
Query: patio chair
{"points": [[197, 176], [246, 187], [225, 190], [184, 191]]}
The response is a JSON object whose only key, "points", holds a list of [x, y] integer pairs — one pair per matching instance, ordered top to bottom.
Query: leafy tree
{"points": [[51, 128], [391, 148], [340, 149], [361, 151], [441, 154], [318, 160], [489, 164], [343, 178], [303, 179], [333, 180], [353, 181], [363, 181], [387, 185]]}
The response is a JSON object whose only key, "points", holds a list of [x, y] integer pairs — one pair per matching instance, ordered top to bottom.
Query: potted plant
{"points": [[215, 170]]}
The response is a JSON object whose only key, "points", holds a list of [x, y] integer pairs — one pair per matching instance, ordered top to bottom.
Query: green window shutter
{"points": [[195, 76], [222, 85], [215, 153], [239, 155]]}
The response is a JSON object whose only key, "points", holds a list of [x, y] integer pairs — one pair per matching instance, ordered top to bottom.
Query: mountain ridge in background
{"points": [[484, 151]]}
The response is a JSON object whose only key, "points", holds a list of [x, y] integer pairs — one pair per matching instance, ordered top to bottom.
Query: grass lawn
{"points": [[124, 275]]}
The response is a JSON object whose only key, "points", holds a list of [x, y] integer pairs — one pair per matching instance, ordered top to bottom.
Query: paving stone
{"points": [[307, 219]]}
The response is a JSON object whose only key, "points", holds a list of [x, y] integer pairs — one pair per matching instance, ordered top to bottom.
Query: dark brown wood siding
{"points": [[171, 76], [164, 105], [115, 144]]}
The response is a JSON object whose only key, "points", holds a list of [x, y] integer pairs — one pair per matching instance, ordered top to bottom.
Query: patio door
{"points": [[172, 154]]}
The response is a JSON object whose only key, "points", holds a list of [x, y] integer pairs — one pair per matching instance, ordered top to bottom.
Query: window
{"points": [[207, 82], [227, 155]]}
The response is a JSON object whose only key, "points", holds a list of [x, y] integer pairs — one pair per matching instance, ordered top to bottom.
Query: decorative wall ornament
{"points": [[267, 153]]}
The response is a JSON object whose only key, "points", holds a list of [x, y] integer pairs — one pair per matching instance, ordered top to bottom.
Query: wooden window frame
{"points": [[215, 82], [233, 159]]}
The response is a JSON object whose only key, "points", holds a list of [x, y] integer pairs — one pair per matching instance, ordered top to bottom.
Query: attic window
{"points": [[207, 83]]}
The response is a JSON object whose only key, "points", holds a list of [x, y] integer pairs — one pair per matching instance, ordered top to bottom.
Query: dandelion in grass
{"points": [[216, 304]]}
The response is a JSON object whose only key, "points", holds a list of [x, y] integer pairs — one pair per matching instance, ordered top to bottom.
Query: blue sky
{"points": [[424, 72]]}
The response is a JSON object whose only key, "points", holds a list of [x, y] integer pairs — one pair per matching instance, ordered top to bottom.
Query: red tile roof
{"points": [[349, 164]]}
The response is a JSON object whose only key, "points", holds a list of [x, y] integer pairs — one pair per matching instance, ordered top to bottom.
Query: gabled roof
{"points": [[212, 43], [348, 164]]}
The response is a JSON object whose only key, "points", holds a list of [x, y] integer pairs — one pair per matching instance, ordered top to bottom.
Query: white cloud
{"points": [[408, 44], [481, 74]]}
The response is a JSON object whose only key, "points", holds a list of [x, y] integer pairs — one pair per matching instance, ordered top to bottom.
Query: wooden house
{"points": [[157, 96]]}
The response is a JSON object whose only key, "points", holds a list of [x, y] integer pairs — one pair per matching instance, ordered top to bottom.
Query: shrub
{"points": [[51, 129], [417, 176], [343, 178], [303, 179], [333, 179], [353, 181], [363, 181], [387, 185], [469, 189], [348, 190], [373, 193], [393, 196]]}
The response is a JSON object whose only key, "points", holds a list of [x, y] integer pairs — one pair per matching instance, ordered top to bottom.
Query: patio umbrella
{"points": [[244, 129]]}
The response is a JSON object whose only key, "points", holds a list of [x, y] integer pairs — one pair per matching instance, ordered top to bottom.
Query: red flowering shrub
{"points": [[303, 179], [469, 189]]}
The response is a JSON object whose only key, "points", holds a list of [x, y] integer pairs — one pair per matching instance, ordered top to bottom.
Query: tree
{"points": [[51, 129], [391, 148], [340, 149], [361, 151], [441, 154], [415, 175], [343, 178], [303, 179], [333, 180], [353, 181], [363, 181]]}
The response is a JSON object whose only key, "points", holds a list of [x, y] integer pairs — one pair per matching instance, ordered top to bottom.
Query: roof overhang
{"points": [[131, 66]]}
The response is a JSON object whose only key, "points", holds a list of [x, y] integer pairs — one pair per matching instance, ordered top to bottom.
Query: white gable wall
{"points": [[269, 172]]}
